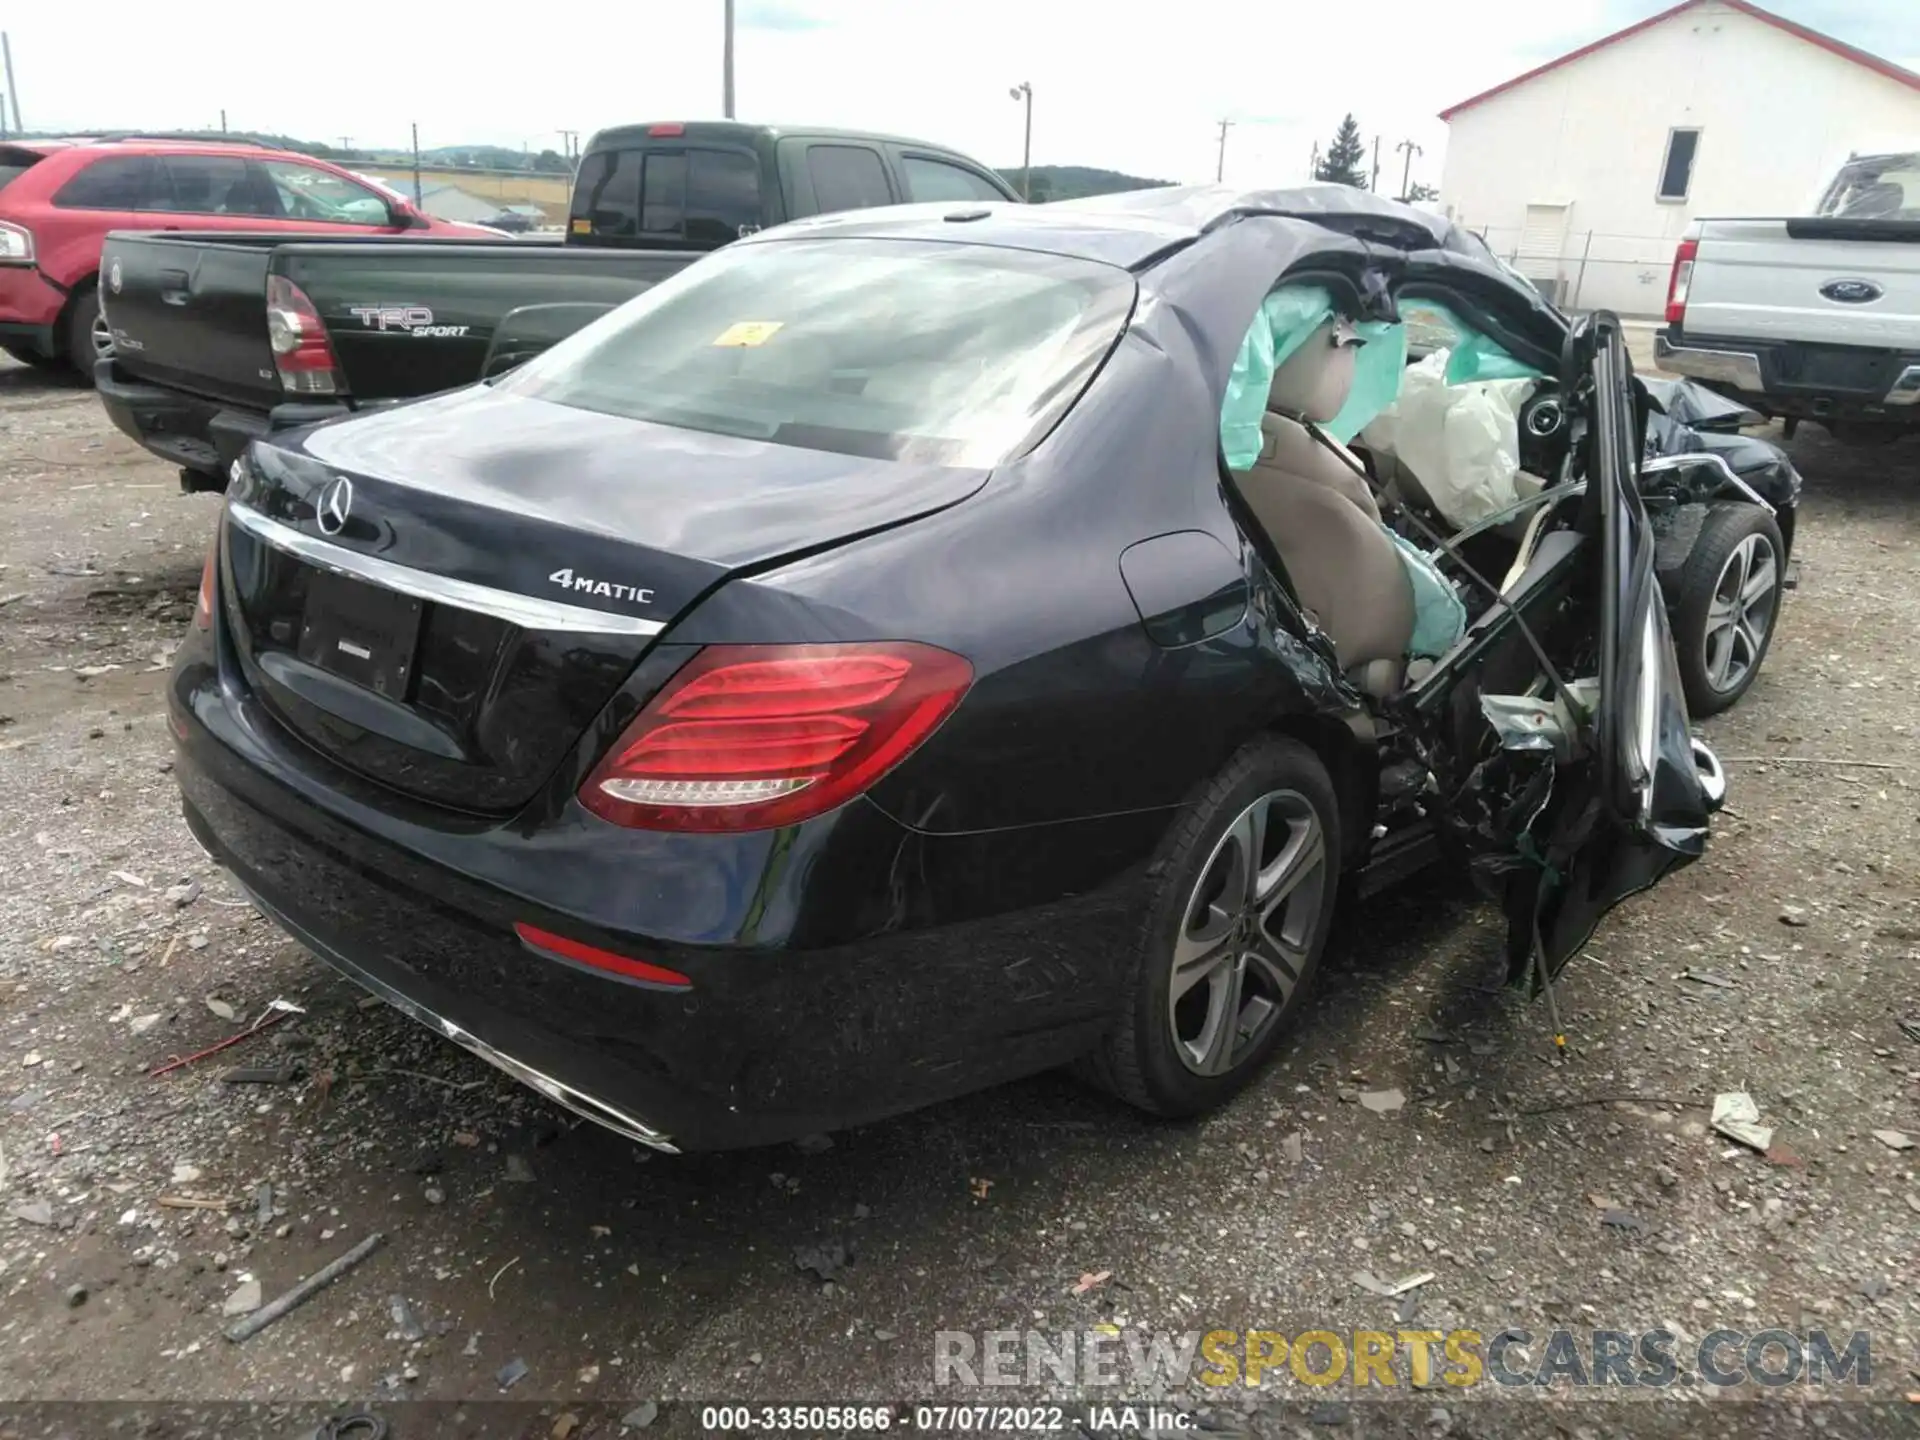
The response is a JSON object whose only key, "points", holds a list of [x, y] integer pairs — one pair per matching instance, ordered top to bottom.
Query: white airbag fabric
{"points": [[1461, 442]]}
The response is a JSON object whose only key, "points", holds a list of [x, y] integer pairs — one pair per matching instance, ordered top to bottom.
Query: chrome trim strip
{"points": [[1740, 368], [1906, 390], [1718, 462], [526, 611], [587, 1107]]}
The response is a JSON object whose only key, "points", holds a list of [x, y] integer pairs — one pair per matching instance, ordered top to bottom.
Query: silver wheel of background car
{"points": [[102, 336], [1740, 612], [1246, 932]]}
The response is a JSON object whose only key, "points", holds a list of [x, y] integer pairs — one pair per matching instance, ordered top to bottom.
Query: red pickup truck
{"points": [[59, 198]]}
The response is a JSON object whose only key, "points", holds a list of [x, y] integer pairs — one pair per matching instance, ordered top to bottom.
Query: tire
{"points": [[85, 334], [29, 356], [1719, 638], [1204, 952]]}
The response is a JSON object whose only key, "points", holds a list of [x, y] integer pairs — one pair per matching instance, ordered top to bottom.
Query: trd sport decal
{"points": [[411, 319]]}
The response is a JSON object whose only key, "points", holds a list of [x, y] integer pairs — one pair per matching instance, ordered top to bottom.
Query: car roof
{"points": [[741, 130], [147, 144], [1136, 227]]}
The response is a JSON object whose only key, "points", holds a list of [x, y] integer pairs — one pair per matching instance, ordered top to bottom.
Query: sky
{"points": [[1139, 88]]}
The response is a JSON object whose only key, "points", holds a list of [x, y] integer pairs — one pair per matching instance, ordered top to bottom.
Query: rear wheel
{"points": [[87, 339], [1730, 592], [1244, 897]]}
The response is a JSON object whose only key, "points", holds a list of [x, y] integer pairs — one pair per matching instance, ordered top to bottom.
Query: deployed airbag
{"points": [[1287, 317], [1461, 443], [1439, 617]]}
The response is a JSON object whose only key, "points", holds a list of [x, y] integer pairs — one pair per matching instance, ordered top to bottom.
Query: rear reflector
{"points": [[1681, 281], [302, 353], [203, 602], [749, 737], [595, 958]]}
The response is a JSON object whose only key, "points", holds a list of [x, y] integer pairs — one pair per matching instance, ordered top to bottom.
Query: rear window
{"points": [[1880, 187], [702, 196], [606, 197], [944, 354]]}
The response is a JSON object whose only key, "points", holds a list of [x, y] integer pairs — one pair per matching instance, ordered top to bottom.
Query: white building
{"points": [[1585, 171]]}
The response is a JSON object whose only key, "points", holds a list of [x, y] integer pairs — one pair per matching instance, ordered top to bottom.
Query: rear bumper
{"points": [[30, 306], [1791, 378], [191, 431], [842, 971]]}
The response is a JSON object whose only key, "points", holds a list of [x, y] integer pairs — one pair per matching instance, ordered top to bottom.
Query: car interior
{"points": [[1481, 464]]}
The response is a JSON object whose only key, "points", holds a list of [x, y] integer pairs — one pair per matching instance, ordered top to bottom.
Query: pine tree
{"points": [[1345, 162]]}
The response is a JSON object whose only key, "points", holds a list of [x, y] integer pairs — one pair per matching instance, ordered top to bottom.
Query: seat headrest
{"points": [[1314, 382]]}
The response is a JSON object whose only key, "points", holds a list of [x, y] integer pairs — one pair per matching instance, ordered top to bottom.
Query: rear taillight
{"points": [[16, 245], [1682, 279], [301, 351], [203, 602], [747, 737]]}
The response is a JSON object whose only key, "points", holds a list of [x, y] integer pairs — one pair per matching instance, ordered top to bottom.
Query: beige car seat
{"points": [[1323, 522]]}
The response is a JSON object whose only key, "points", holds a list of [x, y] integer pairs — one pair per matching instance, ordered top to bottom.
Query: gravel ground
{"points": [[515, 1235]]}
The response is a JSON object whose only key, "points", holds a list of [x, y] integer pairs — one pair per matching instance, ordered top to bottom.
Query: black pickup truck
{"points": [[218, 339]]}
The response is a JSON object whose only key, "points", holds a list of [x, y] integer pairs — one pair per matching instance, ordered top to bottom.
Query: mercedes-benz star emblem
{"points": [[331, 510]]}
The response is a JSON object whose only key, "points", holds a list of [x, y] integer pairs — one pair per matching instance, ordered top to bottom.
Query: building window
{"points": [[1676, 171]]}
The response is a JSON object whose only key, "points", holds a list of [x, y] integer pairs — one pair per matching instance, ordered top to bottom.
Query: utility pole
{"points": [[726, 67], [13, 91], [1024, 91], [223, 121], [346, 141], [1409, 149], [568, 150], [1313, 162], [1220, 164], [416, 165], [1374, 182]]}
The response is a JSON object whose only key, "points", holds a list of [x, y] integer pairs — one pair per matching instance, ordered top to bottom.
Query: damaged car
{"points": [[914, 649]]}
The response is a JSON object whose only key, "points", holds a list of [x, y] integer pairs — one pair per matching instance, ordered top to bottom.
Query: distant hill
{"points": [[1071, 182]]}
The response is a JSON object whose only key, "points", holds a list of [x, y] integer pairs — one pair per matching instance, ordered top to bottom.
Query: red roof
{"points": [[1766, 17]]}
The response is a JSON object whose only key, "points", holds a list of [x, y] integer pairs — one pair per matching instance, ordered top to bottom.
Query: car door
{"points": [[1639, 805]]}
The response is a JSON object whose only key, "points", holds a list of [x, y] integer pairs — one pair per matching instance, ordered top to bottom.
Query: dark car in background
{"points": [[214, 339], [850, 674]]}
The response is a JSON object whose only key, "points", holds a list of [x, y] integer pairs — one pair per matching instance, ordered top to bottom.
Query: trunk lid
{"points": [[1803, 280], [191, 314], [444, 597]]}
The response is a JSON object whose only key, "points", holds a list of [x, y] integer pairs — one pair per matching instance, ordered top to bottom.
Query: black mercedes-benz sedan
{"points": [[911, 650]]}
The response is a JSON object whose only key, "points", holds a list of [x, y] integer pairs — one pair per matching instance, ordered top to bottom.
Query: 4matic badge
{"points": [[410, 319], [603, 589]]}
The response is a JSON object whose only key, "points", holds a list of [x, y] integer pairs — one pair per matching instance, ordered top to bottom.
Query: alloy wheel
{"points": [[102, 336], [1741, 612], [1246, 932]]}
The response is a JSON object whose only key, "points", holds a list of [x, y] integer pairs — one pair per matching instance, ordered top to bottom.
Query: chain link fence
{"points": [[1591, 269]]}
